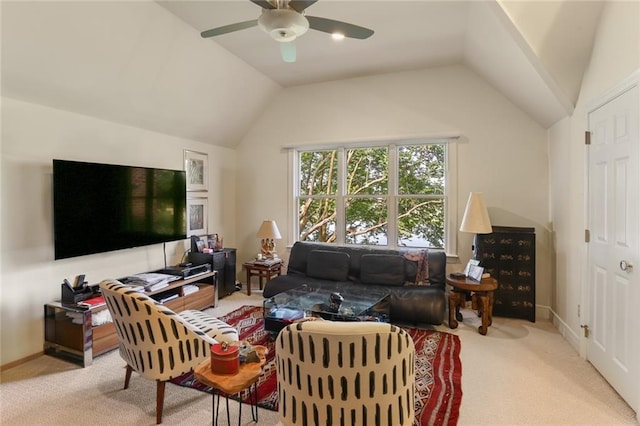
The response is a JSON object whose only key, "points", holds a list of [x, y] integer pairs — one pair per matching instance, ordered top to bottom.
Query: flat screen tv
{"points": [[104, 207]]}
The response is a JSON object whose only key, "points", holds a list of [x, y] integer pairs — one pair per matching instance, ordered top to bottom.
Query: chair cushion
{"points": [[328, 265], [382, 269], [211, 326]]}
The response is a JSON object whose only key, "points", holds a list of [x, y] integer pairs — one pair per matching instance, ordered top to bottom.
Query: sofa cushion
{"points": [[328, 265], [382, 269]]}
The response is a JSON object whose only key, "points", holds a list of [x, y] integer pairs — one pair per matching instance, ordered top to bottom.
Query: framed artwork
{"points": [[196, 166], [197, 216], [470, 264], [475, 272]]}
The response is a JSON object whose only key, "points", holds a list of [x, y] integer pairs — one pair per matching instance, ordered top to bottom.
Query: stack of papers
{"points": [[267, 262], [151, 281], [190, 289], [165, 298]]}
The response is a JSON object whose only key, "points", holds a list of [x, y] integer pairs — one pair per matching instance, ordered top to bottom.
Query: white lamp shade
{"points": [[476, 218], [269, 229]]}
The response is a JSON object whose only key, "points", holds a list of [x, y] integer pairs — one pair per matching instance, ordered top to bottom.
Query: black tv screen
{"points": [[103, 207]]}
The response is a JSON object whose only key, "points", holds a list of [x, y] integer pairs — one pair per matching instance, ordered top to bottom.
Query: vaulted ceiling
{"points": [[145, 64]]}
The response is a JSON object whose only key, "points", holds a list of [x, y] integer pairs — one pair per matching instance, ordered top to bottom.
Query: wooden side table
{"points": [[262, 272], [482, 290], [231, 384]]}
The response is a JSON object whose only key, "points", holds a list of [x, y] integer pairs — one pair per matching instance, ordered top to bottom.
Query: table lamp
{"points": [[476, 219], [268, 232]]}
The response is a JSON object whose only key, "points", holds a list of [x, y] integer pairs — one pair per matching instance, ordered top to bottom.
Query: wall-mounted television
{"points": [[104, 207]]}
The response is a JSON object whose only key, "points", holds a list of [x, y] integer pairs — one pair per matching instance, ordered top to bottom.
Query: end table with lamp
{"points": [[264, 269]]}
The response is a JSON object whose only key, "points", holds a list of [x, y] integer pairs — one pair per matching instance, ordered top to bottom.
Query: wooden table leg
{"points": [[248, 282], [484, 300], [462, 303], [490, 308], [454, 309]]}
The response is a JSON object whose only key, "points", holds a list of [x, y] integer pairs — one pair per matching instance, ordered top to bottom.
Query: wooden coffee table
{"points": [[482, 290], [231, 384]]}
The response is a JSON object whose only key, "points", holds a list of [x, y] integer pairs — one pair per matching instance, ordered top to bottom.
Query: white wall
{"points": [[616, 55], [129, 62], [33, 135], [502, 152]]}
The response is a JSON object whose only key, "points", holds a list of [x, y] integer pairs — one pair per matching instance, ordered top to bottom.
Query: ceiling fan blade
{"points": [[263, 4], [300, 5], [331, 26], [229, 28], [288, 51]]}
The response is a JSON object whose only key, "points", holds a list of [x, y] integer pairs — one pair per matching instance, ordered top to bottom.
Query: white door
{"points": [[613, 346]]}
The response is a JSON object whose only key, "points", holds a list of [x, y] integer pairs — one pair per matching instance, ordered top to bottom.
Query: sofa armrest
{"points": [[437, 268], [418, 304]]}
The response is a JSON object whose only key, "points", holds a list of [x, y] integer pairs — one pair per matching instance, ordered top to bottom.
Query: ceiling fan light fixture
{"points": [[283, 25]]}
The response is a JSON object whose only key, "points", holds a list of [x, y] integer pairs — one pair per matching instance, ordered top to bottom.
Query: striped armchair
{"points": [[155, 341], [347, 373]]}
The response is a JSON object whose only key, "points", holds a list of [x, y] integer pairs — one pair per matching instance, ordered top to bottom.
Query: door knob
{"points": [[626, 266]]}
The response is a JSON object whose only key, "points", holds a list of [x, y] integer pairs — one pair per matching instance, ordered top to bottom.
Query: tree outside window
{"points": [[374, 203]]}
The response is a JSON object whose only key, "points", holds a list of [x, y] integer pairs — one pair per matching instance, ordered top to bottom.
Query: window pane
{"points": [[421, 169], [367, 171], [318, 172], [317, 220], [366, 221], [421, 222]]}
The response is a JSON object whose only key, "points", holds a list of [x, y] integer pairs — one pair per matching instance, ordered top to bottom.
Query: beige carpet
{"points": [[519, 374]]}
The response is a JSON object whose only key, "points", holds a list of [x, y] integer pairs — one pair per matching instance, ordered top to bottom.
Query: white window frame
{"points": [[450, 195]]}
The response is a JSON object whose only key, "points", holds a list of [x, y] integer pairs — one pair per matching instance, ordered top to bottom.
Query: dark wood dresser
{"points": [[509, 255]]}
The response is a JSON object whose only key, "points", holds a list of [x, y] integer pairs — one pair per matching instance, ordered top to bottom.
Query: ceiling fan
{"points": [[285, 20]]}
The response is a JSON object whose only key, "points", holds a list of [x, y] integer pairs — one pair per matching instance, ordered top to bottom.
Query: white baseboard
{"points": [[543, 312], [566, 332]]}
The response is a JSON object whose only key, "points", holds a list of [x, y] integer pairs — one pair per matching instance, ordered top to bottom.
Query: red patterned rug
{"points": [[438, 369]]}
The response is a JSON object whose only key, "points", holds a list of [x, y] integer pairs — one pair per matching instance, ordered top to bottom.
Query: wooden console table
{"points": [[262, 272], [482, 290], [69, 332]]}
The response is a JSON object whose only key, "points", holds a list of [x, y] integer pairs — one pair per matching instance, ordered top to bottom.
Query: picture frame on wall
{"points": [[196, 166], [197, 215]]}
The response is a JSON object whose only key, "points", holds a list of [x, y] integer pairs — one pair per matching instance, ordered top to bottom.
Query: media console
{"points": [[68, 329]]}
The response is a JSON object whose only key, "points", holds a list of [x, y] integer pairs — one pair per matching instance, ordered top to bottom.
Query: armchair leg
{"points": [[127, 376], [159, 401]]}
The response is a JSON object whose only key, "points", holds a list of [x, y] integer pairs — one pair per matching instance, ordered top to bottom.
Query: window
{"points": [[393, 195]]}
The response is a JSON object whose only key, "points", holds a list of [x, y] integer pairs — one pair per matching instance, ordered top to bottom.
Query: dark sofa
{"points": [[318, 264]]}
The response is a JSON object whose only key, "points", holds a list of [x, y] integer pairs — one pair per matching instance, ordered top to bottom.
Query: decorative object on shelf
{"points": [[197, 168], [197, 216], [476, 219], [269, 232], [214, 242]]}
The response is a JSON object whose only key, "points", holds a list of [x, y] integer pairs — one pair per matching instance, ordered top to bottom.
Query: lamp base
{"points": [[474, 247], [268, 248]]}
